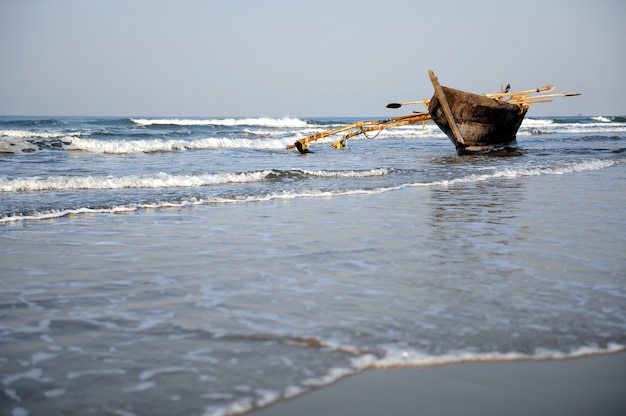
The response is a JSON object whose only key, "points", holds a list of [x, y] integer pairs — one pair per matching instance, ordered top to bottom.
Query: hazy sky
{"points": [[296, 58]]}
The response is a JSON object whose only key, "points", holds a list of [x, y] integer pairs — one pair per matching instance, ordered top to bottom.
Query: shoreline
{"points": [[589, 385]]}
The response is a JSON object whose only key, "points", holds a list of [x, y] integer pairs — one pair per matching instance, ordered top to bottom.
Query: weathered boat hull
{"points": [[482, 124]]}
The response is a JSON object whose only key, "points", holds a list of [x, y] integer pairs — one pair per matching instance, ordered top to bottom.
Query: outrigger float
{"points": [[474, 123]]}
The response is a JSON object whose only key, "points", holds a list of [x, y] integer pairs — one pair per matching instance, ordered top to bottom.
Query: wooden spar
{"points": [[501, 95], [521, 99], [533, 101], [445, 107], [412, 119], [360, 128], [321, 135], [305, 141]]}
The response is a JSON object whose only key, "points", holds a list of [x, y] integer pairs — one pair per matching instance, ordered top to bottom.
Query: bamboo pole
{"points": [[501, 95], [522, 99], [413, 119], [362, 127], [321, 135]]}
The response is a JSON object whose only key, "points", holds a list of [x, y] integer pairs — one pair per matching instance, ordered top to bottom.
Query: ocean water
{"points": [[194, 266]]}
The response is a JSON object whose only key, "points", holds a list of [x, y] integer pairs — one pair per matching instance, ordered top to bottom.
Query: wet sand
{"points": [[594, 385]]}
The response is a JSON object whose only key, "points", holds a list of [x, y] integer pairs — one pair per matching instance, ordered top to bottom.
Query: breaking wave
{"points": [[230, 122], [30, 134], [170, 145], [344, 173], [160, 180], [164, 180]]}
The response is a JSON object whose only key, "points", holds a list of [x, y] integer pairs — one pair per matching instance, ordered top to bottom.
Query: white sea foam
{"points": [[260, 121], [534, 123], [603, 125], [587, 129], [415, 131], [29, 134], [20, 141], [161, 145], [16, 146], [557, 170], [540, 171], [344, 174], [160, 180], [201, 180], [52, 214], [46, 215], [202, 355], [42, 356], [395, 357], [399, 357], [96, 372], [34, 374], [148, 374], [330, 377], [143, 386], [293, 391], [54, 393], [266, 397], [240, 406], [18, 411]]}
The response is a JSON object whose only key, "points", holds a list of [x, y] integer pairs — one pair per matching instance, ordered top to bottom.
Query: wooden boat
{"points": [[475, 123]]}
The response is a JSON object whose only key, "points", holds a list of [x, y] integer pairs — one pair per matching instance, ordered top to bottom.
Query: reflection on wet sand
{"points": [[476, 219]]}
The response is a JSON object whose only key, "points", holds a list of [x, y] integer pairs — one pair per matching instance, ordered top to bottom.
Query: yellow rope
{"points": [[373, 137]]}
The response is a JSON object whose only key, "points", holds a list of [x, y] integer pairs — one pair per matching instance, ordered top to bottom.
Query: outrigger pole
{"points": [[361, 127]]}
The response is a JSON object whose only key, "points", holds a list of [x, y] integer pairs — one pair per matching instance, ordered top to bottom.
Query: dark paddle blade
{"points": [[394, 105], [303, 150]]}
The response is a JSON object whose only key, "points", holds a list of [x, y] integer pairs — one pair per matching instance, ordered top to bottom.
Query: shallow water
{"points": [[224, 297]]}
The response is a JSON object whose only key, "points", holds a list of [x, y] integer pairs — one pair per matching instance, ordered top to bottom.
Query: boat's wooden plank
{"points": [[445, 107]]}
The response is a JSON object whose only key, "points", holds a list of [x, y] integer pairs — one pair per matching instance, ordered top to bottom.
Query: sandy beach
{"points": [[594, 385]]}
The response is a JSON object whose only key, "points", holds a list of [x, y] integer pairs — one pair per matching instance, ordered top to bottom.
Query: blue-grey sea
{"points": [[194, 266]]}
